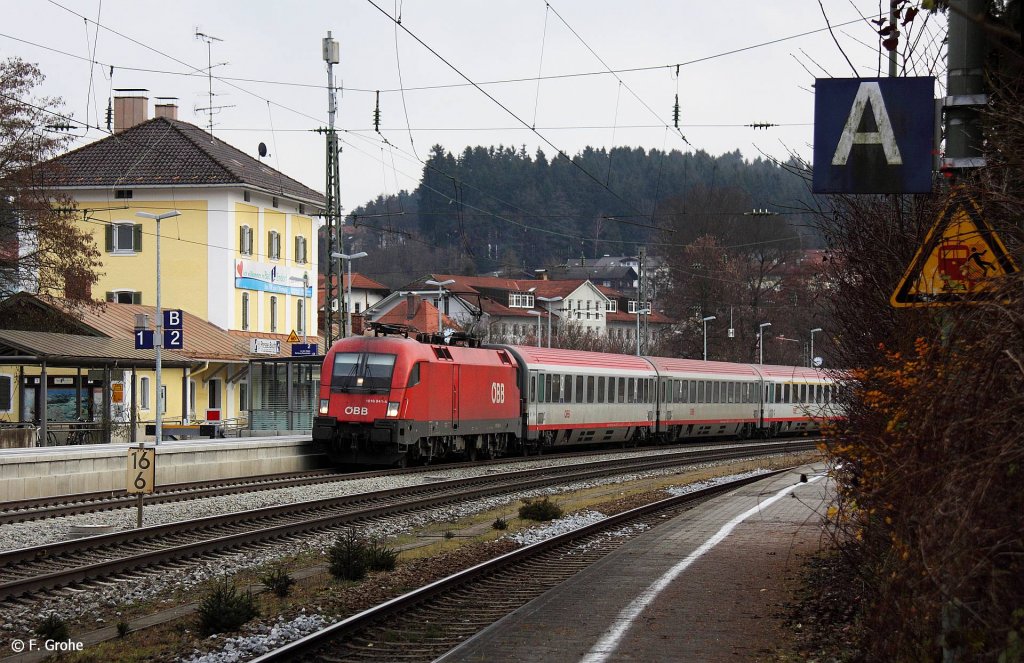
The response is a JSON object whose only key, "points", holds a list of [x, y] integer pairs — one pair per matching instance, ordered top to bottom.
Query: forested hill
{"points": [[496, 208]]}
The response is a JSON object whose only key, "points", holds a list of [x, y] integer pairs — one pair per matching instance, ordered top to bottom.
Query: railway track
{"points": [[70, 505], [33, 570], [424, 624]]}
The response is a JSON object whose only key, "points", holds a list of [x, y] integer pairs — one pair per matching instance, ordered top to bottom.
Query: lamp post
{"points": [[440, 295], [348, 298], [549, 300], [538, 314], [705, 321], [158, 337], [760, 340], [810, 355]]}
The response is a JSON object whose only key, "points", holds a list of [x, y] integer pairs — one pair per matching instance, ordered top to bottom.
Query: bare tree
{"points": [[42, 247]]}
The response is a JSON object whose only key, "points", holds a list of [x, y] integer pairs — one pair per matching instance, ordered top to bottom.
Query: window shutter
{"points": [[109, 236], [137, 237], [241, 240], [270, 244], [298, 250], [110, 297], [136, 298]]}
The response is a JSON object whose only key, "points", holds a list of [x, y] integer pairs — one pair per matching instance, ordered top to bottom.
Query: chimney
{"points": [[166, 108], [129, 111], [412, 303]]}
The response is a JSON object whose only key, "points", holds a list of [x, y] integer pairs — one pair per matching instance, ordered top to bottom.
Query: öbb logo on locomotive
{"points": [[392, 400]]}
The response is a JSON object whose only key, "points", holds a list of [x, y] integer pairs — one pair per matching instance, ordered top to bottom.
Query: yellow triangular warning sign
{"points": [[957, 261], [293, 337]]}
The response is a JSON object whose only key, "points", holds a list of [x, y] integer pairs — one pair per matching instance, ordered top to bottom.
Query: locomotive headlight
{"points": [[323, 406], [392, 408]]}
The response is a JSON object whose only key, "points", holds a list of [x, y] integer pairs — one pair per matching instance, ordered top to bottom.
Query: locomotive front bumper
{"points": [[370, 443]]}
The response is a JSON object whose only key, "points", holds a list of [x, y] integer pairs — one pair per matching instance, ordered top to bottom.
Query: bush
{"points": [[541, 510], [500, 524], [348, 556], [380, 557], [278, 581], [225, 608], [53, 627], [122, 628]]}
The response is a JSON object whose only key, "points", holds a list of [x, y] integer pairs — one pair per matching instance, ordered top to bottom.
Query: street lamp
{"points": [[440, 295], [348, 299], [549, 300], [538, 314], [705, 321], [158, 337], [760, 339], [810, 356]]}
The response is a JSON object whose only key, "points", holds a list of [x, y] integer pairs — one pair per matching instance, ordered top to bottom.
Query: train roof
{"points": [[534, 356], [677, 365], [792, 372]]}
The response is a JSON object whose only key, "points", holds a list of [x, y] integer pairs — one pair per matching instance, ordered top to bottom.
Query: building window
{"points": [[122, 194], [246, 196], [273, 201], [124, 238], [245, 240], [274, 245], [300, 249], [124, 297], [520, 300], [357, 305], [611, 306], [300, 308], [245, 311], [273, 314], [213, 387], [6, 393], [143, 393], [243, 396], [192, 398]]}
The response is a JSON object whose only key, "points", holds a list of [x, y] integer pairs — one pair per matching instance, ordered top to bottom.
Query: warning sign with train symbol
{"points": [[960, 258]]}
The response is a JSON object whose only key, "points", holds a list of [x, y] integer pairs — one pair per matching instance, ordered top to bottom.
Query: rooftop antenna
{"points": [[211, 109]]}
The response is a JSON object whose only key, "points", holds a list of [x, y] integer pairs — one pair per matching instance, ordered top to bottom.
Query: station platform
{"points": [[37, 472], [709, 585]]}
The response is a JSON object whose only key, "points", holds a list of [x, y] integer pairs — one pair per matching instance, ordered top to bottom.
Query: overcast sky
{"points": [[272, 85]]}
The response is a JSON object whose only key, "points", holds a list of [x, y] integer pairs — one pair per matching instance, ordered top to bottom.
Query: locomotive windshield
{"points": [[363, 372]]}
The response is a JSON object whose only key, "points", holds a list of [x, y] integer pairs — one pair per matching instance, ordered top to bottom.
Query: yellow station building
{"points": [[240, 255]]}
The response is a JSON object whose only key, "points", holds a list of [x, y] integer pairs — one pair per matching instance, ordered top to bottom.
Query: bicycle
{"points": [[78, 434]]}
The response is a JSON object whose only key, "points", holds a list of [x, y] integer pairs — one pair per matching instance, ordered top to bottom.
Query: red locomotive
{"points": [[389, 400]]}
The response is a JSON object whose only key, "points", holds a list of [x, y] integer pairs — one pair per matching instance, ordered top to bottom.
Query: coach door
{"points": [[536, 383], [455, 396]]}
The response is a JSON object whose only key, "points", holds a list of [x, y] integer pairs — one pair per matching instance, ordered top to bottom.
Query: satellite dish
{"points": [[262, 149], [818, 362]]}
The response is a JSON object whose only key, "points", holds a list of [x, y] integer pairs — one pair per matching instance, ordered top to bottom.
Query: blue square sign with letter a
{"points": [[873, 135]]}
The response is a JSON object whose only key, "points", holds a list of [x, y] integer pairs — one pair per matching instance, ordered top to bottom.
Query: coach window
{"points": [[533, 388], [590, 388], [600, 389], [545, 391], [700, 391], [716, 391], [803, 393]]}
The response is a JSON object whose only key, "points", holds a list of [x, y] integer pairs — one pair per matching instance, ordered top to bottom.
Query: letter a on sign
{"points": [[869, 98], [873, 135]]}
